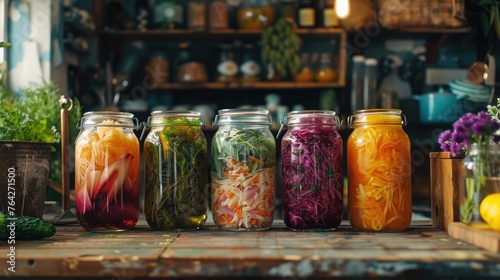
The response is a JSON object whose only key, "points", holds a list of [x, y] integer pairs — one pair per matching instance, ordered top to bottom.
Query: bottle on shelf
{"points": [[289, 10], [197, 11], [168, 14], [306, 14], [326, 14], [142, 15], [218, 15], [358, 66], [250, 67], [227, 69], [306, 71], [325, 72], [370, 95]]}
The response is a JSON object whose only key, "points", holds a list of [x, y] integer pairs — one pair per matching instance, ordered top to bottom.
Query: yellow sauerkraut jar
{"points": [[379, 171]]}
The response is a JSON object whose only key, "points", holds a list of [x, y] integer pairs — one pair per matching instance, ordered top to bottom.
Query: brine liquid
{"points": [[379, 176], [312, 178], [120, 215]]}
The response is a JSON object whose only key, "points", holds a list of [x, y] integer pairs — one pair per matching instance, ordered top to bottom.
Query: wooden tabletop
{"points": [[421, 252]]}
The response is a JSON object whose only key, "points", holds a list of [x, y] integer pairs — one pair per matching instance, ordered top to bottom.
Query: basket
{"points": [[394, 14]]}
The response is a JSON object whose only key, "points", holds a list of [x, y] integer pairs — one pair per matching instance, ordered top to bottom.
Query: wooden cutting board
{"points": [[482, 237]]}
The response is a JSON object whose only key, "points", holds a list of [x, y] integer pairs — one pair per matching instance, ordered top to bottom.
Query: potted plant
{"points": [[29, 134]]}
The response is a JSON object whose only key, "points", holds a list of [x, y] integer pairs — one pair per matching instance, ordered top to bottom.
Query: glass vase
{"points": [[482, 177]]}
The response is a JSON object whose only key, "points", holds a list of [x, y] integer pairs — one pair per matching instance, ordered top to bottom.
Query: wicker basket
{"points": [[395, 14]]}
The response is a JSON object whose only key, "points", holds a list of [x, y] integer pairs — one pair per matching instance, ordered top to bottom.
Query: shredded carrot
{"points": [[259, 161], [379, 187]]}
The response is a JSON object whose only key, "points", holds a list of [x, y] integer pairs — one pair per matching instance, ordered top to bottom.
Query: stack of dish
{"points": [[472, 91]]}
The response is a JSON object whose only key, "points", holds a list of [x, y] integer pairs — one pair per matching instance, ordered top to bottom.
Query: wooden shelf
{"points": [[429, 30], [216, 34], [253, 85]]}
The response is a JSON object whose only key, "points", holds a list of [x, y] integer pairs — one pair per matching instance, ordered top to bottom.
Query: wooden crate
{"points": [[394, 14], [445, 173], [479, 235]]}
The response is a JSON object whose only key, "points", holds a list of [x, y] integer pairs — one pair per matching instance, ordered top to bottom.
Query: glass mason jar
{"points": [[256, 14], [107, 160], [243, 170], [175, 171], [311, 171], [379, 171], [482, 177]]}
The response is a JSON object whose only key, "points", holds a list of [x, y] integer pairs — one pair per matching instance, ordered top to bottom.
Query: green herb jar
{"points": [[243, 170], [175, 171]]}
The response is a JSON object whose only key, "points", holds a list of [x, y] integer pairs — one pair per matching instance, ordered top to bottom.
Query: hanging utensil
{"points": [[66, 215]]}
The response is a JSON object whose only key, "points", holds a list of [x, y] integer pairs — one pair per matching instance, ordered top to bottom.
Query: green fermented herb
{"points": [[176, 175]]}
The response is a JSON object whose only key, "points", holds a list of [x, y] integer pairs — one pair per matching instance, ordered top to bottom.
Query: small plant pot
{"points": [[24, 171]]}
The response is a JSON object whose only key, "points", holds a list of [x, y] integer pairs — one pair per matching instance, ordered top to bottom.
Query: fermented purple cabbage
{"points": [[312, 177]]}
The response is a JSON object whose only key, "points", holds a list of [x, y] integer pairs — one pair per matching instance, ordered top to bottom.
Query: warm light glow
{"points": [[342, 8]]}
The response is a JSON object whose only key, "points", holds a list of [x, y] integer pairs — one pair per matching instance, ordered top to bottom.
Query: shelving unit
{"points": [[235, 34], [247, 85]]}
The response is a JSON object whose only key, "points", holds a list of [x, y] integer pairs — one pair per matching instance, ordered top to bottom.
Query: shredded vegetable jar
{"points": [[311, 155], [107, 161], [243, 170], [175, 171], [379, 171]]}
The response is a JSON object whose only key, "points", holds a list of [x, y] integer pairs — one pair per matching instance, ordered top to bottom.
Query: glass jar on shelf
{"points": [[197, 10], [168, 14], [218, 14], [256, 14], [250, 67], [157, 69], [189, 69], [227, 69], [306, 71], [326, 72]]}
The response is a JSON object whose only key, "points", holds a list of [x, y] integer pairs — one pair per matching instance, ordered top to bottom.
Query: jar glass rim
{"points": [[243, 115], [377, 116], [311, 117], [99, 118], [157, 118]]}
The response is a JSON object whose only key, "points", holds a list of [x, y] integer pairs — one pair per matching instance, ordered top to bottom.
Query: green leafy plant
{"points": [[489, 17], [280, 47], [34, 116], [17, 124]]}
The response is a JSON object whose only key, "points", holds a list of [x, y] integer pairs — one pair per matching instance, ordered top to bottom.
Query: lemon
{"points": [[490, 210]]}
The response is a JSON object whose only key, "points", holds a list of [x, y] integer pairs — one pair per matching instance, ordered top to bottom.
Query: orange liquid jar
{"points": [[107, 160], [379, 171]]}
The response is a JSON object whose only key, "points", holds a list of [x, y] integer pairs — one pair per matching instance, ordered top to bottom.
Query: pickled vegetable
{"points": [[379, 174], [176, 175], [107, 178], [312, 178], [243, 179]]}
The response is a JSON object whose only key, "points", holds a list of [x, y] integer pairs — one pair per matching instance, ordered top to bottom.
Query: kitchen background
{"points": [[115, 54]]}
